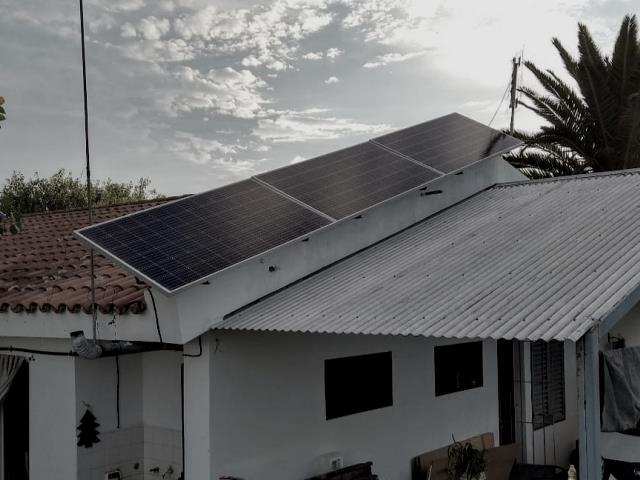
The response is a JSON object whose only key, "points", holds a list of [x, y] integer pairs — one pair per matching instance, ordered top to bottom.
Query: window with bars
{"points": [[547, 383]]}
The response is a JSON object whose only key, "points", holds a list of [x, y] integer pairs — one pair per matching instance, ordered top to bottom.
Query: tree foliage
{"points": [[3, 113], [592, 121], [61, 191]]}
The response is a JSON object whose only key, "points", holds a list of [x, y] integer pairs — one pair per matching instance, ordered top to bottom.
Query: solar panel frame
{"points": [[449, 127], [333, 183], [155, 270]]}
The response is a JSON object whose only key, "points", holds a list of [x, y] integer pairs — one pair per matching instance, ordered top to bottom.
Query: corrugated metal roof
{"points": [[532, 260]]}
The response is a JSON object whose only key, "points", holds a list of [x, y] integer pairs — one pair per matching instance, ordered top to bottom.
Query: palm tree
{"points": [[594, 127]]}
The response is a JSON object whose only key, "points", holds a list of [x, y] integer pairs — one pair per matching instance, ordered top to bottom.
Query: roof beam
{"points": [[619, 311]]}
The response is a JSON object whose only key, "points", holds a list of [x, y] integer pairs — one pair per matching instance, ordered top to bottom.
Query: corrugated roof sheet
{"points": [[533, 260], [44, 267]]}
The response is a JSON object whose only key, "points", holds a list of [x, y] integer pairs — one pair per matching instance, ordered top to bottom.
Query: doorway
{"points": [[506, 392], [15, 427]]}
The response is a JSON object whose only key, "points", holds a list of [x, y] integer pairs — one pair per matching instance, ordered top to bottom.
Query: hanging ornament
{"points": [[87, 430]]}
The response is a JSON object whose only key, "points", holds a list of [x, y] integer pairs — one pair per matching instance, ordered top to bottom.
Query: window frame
{"points": [[439, 351], [334, 408]]}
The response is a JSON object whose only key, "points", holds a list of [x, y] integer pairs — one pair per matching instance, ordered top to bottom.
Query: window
{"points": [[458, 367], [547, 378], [357, 384]]}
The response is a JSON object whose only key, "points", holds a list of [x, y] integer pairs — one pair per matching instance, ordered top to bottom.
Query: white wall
{"points": [[268, 412], [150, 415], [52, 418]]}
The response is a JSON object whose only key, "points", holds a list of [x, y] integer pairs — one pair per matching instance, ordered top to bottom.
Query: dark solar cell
{"points": [[448, 143], [350, 180], [187, 240]]}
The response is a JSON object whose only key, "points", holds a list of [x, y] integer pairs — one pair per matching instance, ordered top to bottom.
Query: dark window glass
{"points": [[458, 367], [547, 378], [357, 384]]}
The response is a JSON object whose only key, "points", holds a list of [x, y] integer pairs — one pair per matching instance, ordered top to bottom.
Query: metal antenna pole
{"points": [[514, 89], [94, 312]]}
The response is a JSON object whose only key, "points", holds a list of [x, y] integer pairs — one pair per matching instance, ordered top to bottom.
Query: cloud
{"points": [[334, 53], [313, 56], [386, 59], [331, 80], [224, 91], [303, 126], [207, 152], [297, 159]]}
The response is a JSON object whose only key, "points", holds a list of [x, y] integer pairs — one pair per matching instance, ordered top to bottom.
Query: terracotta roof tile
{"points": [[44, 267]]}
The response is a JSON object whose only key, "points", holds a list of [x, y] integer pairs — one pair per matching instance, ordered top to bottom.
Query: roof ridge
{"points": [[568, 178], [111, 205]]}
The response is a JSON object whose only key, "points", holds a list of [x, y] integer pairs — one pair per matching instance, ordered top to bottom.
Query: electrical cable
{"points": [[500, 104], [155, 311], [39, 352], [199, 354]]}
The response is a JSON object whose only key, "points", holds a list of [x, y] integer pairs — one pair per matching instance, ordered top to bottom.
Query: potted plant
{"points": [[466, 462]]}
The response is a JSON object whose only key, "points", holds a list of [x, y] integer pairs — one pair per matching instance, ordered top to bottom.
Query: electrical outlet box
{"points": [[335, 463], [113, 475]]}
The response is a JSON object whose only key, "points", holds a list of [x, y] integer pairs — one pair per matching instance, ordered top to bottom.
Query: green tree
{"points": [[3, 113], [591, 121], [61, 191]]}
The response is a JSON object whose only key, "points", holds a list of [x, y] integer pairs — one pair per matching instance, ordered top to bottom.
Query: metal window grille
{"points": [[547, 389]]}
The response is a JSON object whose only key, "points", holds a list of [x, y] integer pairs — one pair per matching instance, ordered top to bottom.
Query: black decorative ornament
{"points": [[87, 430]]}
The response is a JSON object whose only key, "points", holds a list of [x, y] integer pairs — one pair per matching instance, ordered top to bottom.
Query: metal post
{"points": [[514, 89]]}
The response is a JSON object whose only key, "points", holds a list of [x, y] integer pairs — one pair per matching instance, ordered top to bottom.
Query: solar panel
{"points": [[448, 143], [350, 180], [187, 240]]}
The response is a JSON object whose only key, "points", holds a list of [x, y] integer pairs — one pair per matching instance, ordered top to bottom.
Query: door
{"points": [[506, 397], [15, 427]]}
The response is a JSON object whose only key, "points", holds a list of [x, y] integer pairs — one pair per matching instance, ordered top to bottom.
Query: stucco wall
{"points": [[268, 410], [149, 434]]}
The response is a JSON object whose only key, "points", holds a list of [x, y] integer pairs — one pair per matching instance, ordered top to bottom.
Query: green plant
{"points": [[3, 113], [592, 116], [465, 461]]}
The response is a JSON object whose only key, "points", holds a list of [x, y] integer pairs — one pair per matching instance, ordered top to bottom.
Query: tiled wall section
{"points": [[140, 453]]}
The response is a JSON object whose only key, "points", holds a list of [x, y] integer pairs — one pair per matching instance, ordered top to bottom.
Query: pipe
{"points": [[91, 350]]}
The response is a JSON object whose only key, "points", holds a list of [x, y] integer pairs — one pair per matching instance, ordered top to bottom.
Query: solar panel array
{"points": [[448, 143], [350, 180], [186, 241]]}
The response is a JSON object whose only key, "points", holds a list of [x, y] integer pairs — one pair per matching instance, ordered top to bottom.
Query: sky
{"points": [[194, 94]]}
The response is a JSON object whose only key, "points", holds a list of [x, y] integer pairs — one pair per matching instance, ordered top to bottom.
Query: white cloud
{"points": [[153, 28], [128, 31], [333, 53], [313, 56], [386, 59], [251, 61], [331, 80], [225, 91], [303, 126], [204, 151], [297, 159]]}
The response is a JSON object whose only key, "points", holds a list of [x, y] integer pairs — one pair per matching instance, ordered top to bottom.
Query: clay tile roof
{"points": [[44, 267]]}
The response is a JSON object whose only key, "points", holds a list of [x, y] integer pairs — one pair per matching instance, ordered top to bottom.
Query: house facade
{"points": [[474, 303]]}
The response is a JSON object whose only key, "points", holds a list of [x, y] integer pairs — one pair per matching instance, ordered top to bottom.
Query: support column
{"points": [[588, 383], [197, 409]]}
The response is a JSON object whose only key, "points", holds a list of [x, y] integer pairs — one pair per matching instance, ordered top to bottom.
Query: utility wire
{"points": [[504, 95], [94, 311]]}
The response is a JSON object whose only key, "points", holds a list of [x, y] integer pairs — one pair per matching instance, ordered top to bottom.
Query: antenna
{"points": [[514, 89], [94, 313]]}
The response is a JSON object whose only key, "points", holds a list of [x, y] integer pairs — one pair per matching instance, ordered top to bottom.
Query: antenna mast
{"points": [[514, 89], [94, 313]]}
